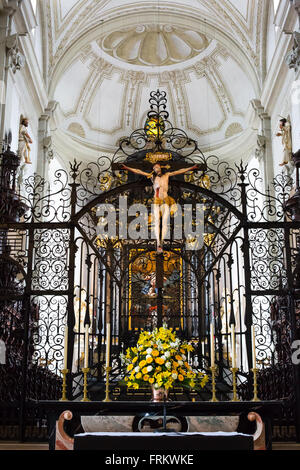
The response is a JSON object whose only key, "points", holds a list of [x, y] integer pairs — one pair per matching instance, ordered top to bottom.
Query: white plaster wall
{"points": [[271, 37]]}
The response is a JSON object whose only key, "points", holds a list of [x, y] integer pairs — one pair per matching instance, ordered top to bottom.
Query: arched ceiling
{"points": [[105, 56]]}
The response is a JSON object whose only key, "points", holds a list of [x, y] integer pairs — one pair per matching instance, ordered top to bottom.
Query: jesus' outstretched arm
{"points": [[183, 170], [137, 171]]}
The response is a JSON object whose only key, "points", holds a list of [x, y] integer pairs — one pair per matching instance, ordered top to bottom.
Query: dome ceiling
{"points": [[103, 79]]}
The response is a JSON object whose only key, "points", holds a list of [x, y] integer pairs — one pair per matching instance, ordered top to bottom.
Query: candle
{"points": [[107, 344], [212, 345], [86, 347], [66, 348], [253, 348], [233, 352]]}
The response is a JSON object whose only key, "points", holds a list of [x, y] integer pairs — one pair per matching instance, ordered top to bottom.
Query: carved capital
{"points": [[296, 5], [10, 6], [293, 57], [16, 60], [260, 150], [49, 152]]}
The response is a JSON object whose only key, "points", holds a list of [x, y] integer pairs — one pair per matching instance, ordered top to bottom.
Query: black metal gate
{"points": [[55, 271]]}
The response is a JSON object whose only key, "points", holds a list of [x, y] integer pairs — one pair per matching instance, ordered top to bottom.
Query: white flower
{"points": [[173, 345], [149, 350], [167, 353], [148, 355], [163, 357], [183, 357], [180, 363], [168, 365], [149, 368], [137, 369], [174, 376], [156, 385]]}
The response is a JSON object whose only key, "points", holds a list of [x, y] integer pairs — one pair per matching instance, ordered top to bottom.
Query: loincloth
{"points": [[169, 201]]}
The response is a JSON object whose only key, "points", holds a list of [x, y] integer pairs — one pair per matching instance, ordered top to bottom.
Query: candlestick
{"points": [[107, 344], [212, 345], [86, 347], [66, 348], [253, 348], [233, 351], [107, 370], [85, 371], [234, 371], [213, 383], [64, 385], [255, 397]]}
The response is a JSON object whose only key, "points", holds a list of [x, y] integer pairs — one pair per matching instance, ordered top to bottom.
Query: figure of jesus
{"points": [[162, 201]]}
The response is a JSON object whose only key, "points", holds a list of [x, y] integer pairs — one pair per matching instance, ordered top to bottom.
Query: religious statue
{"points": [[285, 133], [24, 140], [163, 203]]}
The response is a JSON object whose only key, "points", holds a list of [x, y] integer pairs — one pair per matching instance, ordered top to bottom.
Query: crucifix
{"points": [[163, 203]]}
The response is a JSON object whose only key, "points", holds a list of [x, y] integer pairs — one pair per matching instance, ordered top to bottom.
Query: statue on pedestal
{"points": [[285, 133], [24, 140]]}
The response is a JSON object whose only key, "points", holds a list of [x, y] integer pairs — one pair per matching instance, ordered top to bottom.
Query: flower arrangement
{"points": [[160, 360]]}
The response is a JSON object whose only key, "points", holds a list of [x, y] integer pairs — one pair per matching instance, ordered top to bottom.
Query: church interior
{"points": [[149, 225]]}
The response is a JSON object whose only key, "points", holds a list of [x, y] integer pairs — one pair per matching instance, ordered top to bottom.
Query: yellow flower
{"points": [[155, 353], [179, 358], [134, 359], [149, 360], [159, 360], [142, 363], [130, 367], [145, 370], [138, 375], [146, 377], [180, 377], [151, 380]]}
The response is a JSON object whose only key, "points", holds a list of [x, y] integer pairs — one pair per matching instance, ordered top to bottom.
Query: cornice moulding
{"points": [[70, 146]]}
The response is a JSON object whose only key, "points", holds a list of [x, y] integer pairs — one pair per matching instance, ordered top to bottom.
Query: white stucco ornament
{"points": [[154, 44]]}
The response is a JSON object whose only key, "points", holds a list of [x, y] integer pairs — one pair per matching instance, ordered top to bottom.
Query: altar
{"points": [[254, 418]]}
